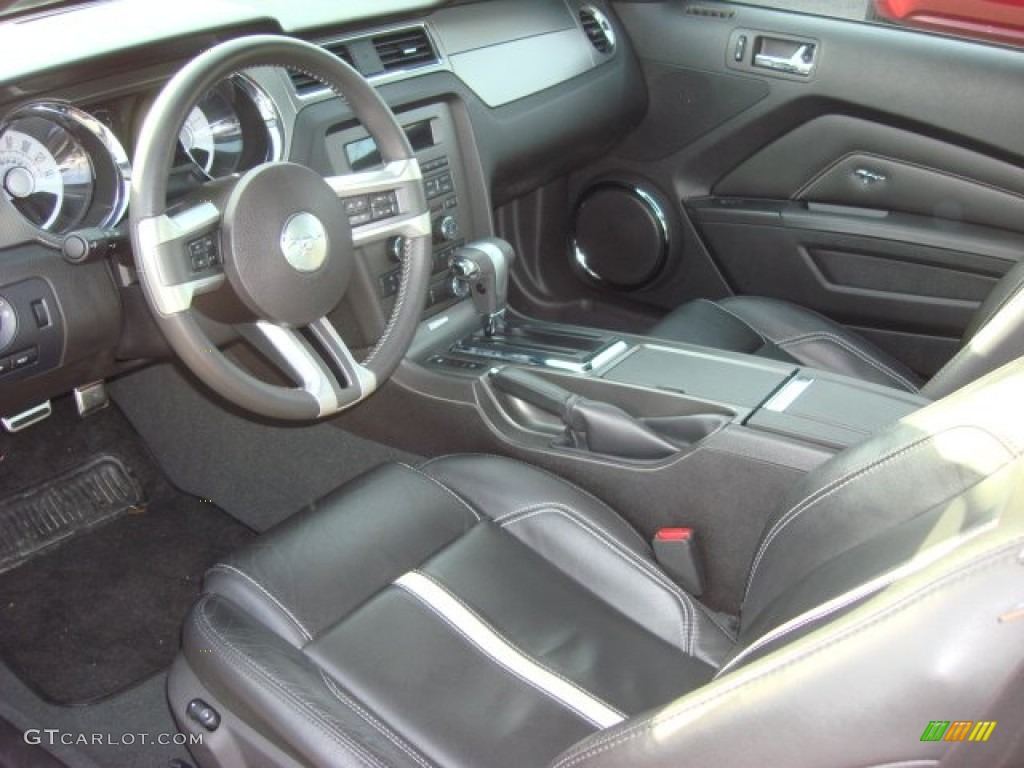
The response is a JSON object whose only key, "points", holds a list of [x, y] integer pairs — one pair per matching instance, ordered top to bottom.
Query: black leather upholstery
{"points": [[785, 331], [351, 635]]}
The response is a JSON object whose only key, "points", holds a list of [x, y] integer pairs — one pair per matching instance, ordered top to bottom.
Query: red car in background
{"points": [[997, 20]]}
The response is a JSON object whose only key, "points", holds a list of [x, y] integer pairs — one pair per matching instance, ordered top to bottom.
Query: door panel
{"points": [[857, 162], [884, 188]]}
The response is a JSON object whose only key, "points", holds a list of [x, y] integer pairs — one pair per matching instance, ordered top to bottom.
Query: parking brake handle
{"points": [[590, 425]]}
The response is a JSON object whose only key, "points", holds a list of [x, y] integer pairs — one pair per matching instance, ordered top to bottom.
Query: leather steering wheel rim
{"points": [[308, 349]]}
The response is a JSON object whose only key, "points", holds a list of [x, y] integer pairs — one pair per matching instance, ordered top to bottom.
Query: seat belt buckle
{"points": [[675, 549]]}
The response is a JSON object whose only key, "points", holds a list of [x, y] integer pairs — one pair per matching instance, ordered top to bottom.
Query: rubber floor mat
{"points": [[45, 515], [93, 613]]}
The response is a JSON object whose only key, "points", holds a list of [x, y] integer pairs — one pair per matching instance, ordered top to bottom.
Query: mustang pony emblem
{"points": [[304, 242]]}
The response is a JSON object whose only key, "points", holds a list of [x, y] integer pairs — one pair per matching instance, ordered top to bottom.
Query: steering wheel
{"points": [[279, 239]]}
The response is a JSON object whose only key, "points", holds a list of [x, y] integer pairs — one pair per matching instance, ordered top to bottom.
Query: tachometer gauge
{"points": [[61, 168], [46, 174], [30, 176]]}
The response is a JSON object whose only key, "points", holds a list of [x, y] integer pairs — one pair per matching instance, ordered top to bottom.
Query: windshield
{"points": [[18, 7]]}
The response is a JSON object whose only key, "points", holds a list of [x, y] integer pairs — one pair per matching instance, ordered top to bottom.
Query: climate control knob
{"points": [[446, 229]]}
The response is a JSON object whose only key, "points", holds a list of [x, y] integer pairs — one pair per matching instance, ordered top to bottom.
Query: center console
{"points": [[459, 209], [642, 378]]}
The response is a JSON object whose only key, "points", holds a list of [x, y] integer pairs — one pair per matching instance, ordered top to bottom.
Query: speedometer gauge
{"points": [[234, 127], [212, 134], [61, 168]]}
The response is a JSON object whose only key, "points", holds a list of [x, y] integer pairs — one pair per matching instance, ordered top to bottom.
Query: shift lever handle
{"points": [[484, 265]]}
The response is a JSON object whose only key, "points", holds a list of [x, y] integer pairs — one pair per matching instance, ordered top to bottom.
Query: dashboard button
{"points": [[41, 313], [24, 358], [6, 366]]}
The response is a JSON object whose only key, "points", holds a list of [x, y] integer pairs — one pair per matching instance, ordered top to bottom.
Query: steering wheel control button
{"points": [[383, 205], [357, 209], [304, 242], [287, 250], [203, 253], [389, 283], [8, 323]]}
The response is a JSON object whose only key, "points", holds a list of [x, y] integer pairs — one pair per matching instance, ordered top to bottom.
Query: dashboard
{"points": [[496, 98]]}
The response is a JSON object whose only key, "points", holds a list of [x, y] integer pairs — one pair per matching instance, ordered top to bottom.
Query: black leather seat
{"points": [[784, 331], [476, 611]]}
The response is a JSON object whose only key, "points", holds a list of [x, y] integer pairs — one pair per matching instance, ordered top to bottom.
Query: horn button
{"points": [[288, 245]]}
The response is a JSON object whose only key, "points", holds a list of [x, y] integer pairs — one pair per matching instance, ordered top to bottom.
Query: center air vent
{"points": [[598, 29], [404, 49], [375, 56], [304, 84]]}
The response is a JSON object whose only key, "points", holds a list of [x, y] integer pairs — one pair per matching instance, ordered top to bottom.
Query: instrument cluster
{"points": [[63, 168]]}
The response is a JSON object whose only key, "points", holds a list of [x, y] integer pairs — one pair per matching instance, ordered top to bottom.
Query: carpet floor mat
{"points": [[109, 555]]}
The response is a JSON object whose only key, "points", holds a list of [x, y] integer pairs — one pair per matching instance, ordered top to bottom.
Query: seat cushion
{"points": [[783, 331], [432, 615]]}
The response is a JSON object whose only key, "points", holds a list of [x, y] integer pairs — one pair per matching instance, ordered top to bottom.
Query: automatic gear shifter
{"points": [[483, 265]]}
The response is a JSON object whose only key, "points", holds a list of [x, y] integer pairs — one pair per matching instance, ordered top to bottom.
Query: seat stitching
{"points": [[732, 314], [864, 356], [561, 481], [840, 482], [444, 488], [808, 501], [544, 505], [528, 508], [232, 569], [848, 598], [688, 629], [508, 640], [469, 641], [306, 708], [379, 726], [605, 743]]}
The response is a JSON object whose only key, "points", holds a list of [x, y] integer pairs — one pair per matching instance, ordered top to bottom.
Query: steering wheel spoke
{"points": [[385, 202], [180, 256], [317, 359]]}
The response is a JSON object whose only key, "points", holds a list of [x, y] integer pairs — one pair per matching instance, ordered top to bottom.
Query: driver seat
{"points": [[476, 611]]}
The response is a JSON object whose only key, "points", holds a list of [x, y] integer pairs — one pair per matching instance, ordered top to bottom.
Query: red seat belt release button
{"points": [[675, 549]]}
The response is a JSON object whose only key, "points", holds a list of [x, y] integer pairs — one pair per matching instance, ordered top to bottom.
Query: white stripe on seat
{"points": [[499, 650]]}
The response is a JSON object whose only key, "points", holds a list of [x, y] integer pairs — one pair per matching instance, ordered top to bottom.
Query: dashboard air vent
{"points": [[709, 12], [598, 29], [404, 49], [304, 84]]}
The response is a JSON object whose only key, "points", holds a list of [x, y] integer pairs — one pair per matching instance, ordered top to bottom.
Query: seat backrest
{"points": [[994, 337], [886, 593]]}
